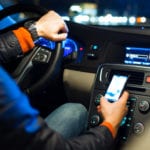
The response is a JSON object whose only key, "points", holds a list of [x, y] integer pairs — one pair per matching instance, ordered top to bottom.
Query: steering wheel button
{"points": [[40, 57], [138, 128]]}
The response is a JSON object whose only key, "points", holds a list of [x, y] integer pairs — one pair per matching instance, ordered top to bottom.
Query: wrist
{"points": [[31, 27], [24, 38], [111, 128]]}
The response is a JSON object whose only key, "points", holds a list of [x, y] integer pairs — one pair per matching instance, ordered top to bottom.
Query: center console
{"points": [[134, 123]]}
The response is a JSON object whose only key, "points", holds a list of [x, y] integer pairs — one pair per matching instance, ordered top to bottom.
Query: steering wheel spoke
{"points": [[42, 56], [38, 68]]}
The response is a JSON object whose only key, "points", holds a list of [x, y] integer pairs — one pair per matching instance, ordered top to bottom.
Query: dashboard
{"points": [[98, 45], [111, 45], [72, 48], [116, 50], [134, 55]]}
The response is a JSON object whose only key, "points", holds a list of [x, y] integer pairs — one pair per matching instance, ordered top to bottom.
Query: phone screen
{"points": [[116, 87]]}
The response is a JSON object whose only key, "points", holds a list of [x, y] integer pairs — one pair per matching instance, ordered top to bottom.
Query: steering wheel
{"points": [[39, 67]]}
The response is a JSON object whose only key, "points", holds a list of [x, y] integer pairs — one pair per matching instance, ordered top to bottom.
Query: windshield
{"points": [[97, 12], [103, 12]]}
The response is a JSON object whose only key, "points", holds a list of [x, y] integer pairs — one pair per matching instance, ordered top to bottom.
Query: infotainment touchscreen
{"points": [[137, 56]]}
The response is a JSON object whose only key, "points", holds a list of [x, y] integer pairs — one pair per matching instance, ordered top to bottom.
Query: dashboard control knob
{"points": [[97, 99], [144, 106], [95, 120], [138, 128]]}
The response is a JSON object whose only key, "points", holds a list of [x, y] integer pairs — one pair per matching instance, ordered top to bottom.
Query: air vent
{"points": [[134, 77]]}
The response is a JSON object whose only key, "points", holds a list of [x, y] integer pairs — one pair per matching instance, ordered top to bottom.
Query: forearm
{"points": [[24, 38], [14, 44], [9, 47], [110, 127], [31, 132], [42, 137], [98, 138], [46, 139]]}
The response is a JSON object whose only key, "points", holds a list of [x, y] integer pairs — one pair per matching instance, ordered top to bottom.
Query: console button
{"points": [[42, 56], [97, 99], [143, 106], [95, 120], [123, 121], [138, 128]]}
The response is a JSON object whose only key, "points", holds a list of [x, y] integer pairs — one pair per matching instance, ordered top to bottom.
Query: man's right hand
{"points": [[114, 112]]}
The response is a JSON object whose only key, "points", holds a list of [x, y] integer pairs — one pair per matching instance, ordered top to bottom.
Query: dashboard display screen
{"points": [[137, 56]]}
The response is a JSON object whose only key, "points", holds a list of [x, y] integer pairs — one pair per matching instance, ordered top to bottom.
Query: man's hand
{"points": [[52, 27], [114, 112]]}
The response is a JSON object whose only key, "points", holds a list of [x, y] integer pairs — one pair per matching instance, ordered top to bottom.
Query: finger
{"points": [[64, 28], [59, 37], [124, 97], [103, 100], [98, 108], [126, 109]]}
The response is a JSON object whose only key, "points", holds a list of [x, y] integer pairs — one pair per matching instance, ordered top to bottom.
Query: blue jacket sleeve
{"points": [[15, 105]]}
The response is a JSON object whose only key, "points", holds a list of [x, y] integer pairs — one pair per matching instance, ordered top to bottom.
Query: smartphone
{"points": [[116, 87]]}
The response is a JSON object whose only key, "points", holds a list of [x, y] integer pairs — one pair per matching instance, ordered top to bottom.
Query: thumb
{"points": [[124, 97], [103, 100]]}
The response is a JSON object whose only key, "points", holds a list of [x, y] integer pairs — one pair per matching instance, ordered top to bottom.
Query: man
{"points": [[21, 127]]}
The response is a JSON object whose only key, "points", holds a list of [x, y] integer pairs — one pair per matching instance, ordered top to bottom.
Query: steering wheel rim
{"points": [[52, 64]]}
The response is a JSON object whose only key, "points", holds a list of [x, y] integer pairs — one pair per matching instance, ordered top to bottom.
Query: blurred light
{"points": [[76, 8], [108, 17], [65, 18], [82, 19], [141, 19], [93, 20], [112, 20], [132, 20], [142, 28], [94, 47], [81, 48]]}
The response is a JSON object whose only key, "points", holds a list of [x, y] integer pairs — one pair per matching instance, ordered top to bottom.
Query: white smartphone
{"points": [[116, 87]]}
